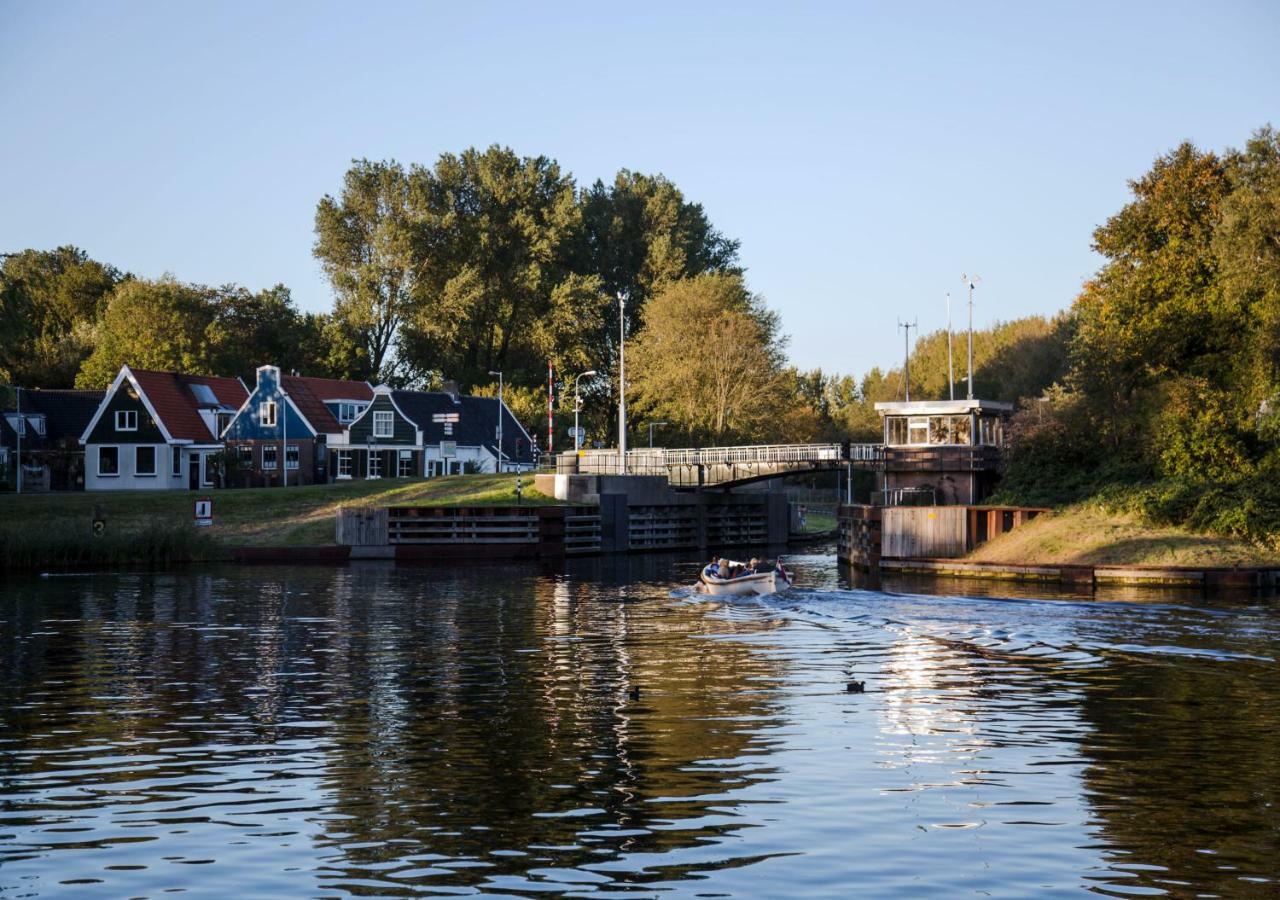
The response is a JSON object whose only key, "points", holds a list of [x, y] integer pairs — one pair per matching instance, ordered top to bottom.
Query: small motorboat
{"points": [[746, 585]]}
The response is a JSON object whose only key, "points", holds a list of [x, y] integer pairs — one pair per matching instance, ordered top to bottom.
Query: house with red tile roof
{"points": [[159, 431], [282, 431]]}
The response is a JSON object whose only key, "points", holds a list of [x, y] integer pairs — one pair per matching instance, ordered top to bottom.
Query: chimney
{"points": [[451, 388]]}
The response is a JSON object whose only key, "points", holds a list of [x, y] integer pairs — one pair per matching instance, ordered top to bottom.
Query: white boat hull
{"points": [[744, 585]]}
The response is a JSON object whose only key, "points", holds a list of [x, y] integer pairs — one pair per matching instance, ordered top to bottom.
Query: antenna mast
{"points": [[972, 281], [906, 354], [951, 372]]}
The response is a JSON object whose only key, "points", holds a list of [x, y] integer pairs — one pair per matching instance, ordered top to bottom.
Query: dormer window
{"points": [[349, 412], [267, 414], [126, 420]]}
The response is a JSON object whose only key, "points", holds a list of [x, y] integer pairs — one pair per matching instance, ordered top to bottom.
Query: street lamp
{"points": [[622, 381], [577, 406], [653, 425], [498, 465]]}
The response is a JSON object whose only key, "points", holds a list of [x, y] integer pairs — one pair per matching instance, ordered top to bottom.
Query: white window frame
{"points": [[267, 414], [130, 415], [381, 416], [917, 423], [244, 455], [297, 456], [371, 457], [275, 458], [98, 462], [403, 470], [137, 471], [343, 471], [205, 481]]}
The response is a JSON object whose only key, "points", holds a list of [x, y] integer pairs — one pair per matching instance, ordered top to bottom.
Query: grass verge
{"points": [[151, 527]]}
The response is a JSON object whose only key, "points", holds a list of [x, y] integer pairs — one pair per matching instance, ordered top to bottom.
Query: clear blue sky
{"points": [[864, 153]]}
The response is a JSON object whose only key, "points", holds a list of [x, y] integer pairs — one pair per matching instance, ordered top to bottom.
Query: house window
{"points": [[349, 412], [267, 414], [126, 420], [223, 421], [38, 424], [384, 424], [20, 425], [918, 430], [246, 456], [269, 456], [291, 456], [109, 461], [144, 461], [177, 461], [344, 463], [375, 464], [404, 466]]}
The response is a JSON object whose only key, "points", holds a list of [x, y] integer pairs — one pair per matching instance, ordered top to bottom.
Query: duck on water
{"points": [[726, 578]]}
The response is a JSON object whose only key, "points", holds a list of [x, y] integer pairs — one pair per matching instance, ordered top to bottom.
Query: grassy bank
{"points": [[150, 527], [1097, 532]]}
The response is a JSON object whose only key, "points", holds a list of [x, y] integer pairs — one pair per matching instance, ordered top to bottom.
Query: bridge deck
{"points": [[719, 466]]}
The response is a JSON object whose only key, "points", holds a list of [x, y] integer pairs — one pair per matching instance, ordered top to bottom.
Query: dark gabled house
{"points": [[48, 425], [283, 430], [159, 431], [417, 434]]}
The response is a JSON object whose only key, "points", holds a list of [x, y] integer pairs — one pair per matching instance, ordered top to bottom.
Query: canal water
{"points": [[598, 731]]}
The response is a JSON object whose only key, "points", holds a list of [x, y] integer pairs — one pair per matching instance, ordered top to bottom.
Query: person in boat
{"points": [[755, 567], [723, 569]]}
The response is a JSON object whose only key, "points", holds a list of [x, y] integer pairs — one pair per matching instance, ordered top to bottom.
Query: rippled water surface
{"points": [[379, 731]]}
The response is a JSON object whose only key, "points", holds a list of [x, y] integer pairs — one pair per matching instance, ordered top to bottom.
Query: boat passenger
{"points": [[722, 568]]}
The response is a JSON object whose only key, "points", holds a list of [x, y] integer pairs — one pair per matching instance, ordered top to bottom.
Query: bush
{"points": [[1245, 507]]}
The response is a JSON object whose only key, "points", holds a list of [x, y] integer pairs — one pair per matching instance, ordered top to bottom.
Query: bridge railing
{"points": [[682, 464]]}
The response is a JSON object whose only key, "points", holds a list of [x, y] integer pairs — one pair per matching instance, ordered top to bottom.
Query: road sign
{"points": [[577, 432], [448, 449], [204, 511]]}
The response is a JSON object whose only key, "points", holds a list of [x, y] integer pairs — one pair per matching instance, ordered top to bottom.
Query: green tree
{"points": [[365, 245], [50, 301], [153, 325], [709, 360]]}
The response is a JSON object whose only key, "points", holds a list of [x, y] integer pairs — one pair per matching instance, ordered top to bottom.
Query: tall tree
{"points": [[364, 243], [493, 289], [49, 303], [153, 325], [709, 360]]}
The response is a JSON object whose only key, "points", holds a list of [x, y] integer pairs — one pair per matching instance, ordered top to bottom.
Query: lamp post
{"points": [[622, 381], [577, 407], [653, 425], [498, 465]]}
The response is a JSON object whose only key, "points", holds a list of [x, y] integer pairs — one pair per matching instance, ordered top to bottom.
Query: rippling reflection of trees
{"points": [[412, 716], [503, 720], [1185, 780]]}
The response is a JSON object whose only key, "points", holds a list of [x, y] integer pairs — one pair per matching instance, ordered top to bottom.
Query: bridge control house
{"points": [[941, 452]]}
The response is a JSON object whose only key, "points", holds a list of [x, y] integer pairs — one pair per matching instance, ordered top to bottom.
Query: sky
{"points": [[865, 154]]}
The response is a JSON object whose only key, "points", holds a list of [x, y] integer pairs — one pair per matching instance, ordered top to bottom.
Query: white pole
{"points": [[951, 372], [622, 381], [577, 405], [21, 427], [284, 431], [497, 467]]}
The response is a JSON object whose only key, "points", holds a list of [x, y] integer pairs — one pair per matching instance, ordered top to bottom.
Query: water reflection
{"points": [[382, 731]]}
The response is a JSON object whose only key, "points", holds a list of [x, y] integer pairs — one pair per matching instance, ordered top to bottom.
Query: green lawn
{"points": [[264, 516]]}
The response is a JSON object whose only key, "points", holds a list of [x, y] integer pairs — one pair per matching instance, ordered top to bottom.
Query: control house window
{"points": [[267, 414], [126, 420], [384, 424], [246, 455], [269, 456], [291, 456], [109, 461], [144, 461], [177, 461], [344, 463], [375, 465], [404, 465]]}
